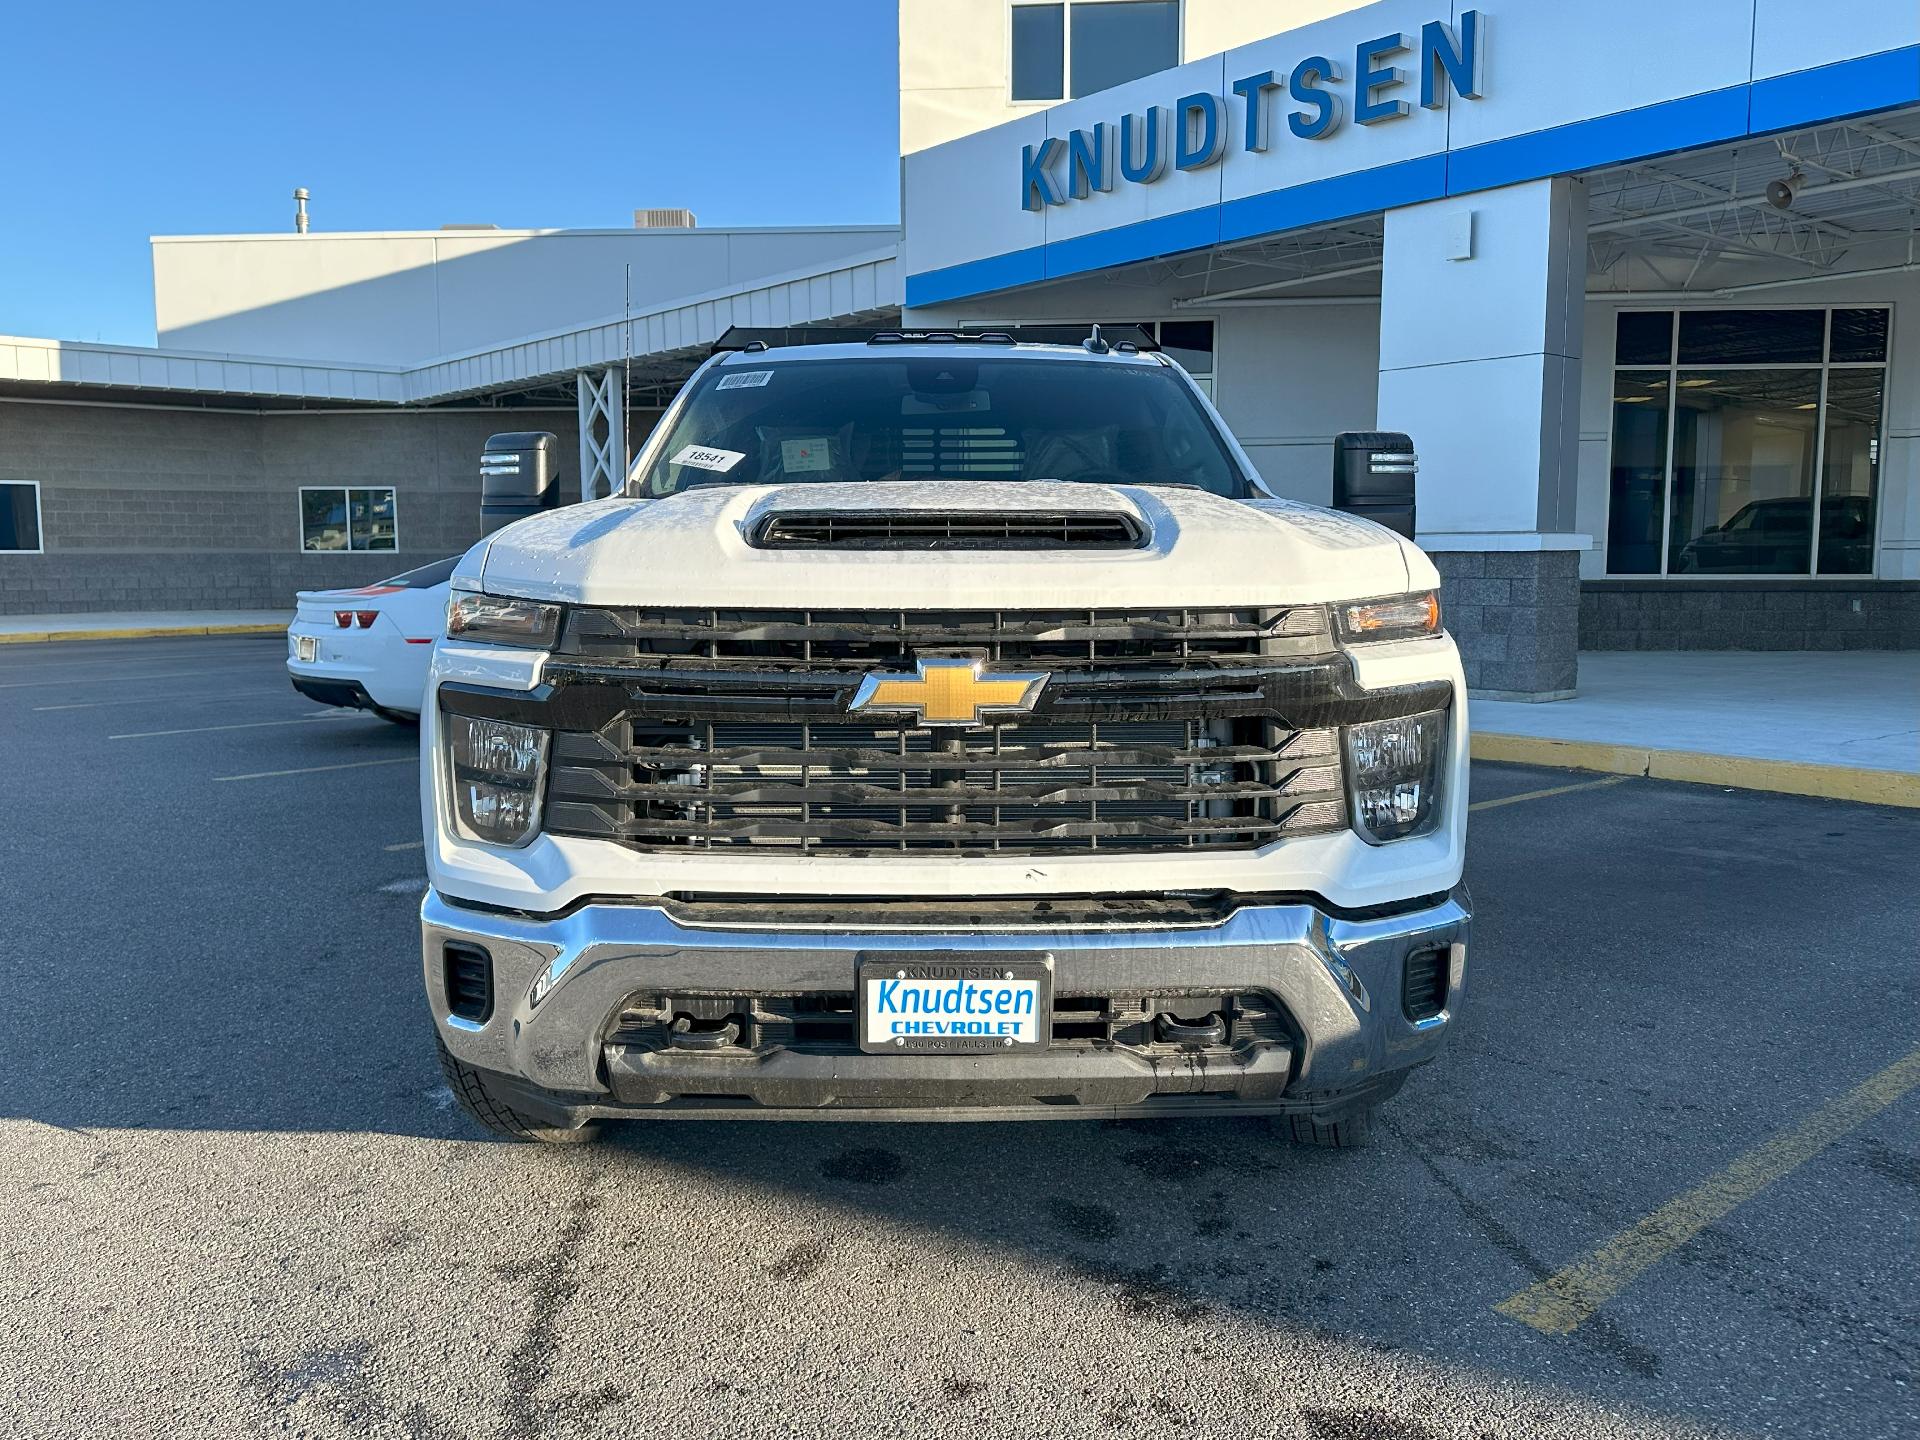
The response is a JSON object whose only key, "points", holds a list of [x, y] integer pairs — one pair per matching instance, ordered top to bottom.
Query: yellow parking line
{"points": [[134, 632], [316, 769], [1739, 772], [1543, 794], [1561, 1302]]}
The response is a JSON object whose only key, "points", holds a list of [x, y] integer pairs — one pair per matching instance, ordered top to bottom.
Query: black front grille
{"points": [[948, 530], [781, 640], [724, 730], [1016, 788], [469, 981], [1423, 984]]}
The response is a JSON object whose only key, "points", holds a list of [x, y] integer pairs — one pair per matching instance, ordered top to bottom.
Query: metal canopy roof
{"points": [[1694, 222], [663, 345]]}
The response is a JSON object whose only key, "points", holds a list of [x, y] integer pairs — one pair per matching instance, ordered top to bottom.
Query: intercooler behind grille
{"points": [[948, 530], [1018, 788]]}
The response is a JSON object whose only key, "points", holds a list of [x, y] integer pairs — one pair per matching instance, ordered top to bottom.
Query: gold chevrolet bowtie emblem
{"points": [[948, 692]]}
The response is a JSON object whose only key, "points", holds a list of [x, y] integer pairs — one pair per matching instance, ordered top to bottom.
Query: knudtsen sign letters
{"points": [[1193, 133]]}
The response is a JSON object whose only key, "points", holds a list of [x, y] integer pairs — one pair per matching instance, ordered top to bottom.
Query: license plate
{"points": [[306, 648], [964, 1002]]}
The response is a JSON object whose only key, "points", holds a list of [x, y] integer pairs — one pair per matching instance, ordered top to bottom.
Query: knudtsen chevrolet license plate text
{"points": [[983, 1003]]}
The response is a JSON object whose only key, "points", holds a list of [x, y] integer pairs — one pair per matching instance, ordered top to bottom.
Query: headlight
{"points": [[1397, 617], [502, 620], [497, 771], [1393, 775]]}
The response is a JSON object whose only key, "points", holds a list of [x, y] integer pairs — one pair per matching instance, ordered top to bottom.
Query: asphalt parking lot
{"points": [[235, 1198]]}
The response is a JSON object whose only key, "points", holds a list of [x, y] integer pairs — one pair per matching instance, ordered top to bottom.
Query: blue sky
{"points": [[128, 120]]}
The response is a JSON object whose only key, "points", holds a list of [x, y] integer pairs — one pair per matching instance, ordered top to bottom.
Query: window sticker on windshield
{"points": [[744, 380], [799, 456], [701, 458]]}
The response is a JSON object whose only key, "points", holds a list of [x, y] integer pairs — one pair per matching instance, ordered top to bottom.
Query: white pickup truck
{"points": [[942, 726]]}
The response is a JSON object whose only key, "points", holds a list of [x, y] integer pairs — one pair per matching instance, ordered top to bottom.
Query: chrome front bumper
{"points": [[559, 984]]}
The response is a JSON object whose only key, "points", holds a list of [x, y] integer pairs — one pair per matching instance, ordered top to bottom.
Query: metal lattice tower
{"points": [[603, 434]]}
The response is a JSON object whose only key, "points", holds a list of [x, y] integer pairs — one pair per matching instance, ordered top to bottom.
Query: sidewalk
{"points": [[138, 624], [1842, 724]]}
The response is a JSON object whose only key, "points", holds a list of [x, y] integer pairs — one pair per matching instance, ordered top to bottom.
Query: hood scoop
{"points": [[927, 529]]}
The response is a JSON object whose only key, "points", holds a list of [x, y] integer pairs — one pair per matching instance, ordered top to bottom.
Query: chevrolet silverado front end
{"points": [[942, 729]]}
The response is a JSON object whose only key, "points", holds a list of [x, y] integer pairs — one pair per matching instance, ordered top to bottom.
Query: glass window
{"points": [[1115, 41], [1039, 51], [1859, 335], [1643, 337], [1752, 337], [1189, 342], [938, 417], [1755, 450], [1743, 456], [1850, 469], [1636, 514], [19, 516], [359, 518], [370, 518], [323, 519]]}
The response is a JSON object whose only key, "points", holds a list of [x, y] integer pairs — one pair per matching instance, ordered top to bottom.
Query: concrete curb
{"points": [[141, 632], [1741, 772]]}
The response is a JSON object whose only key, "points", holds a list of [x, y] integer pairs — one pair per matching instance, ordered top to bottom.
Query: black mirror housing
{"points": [[519, 476], [1373, 477]]}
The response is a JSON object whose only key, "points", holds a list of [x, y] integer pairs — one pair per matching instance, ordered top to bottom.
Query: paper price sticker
{"points": [[699, 457]]}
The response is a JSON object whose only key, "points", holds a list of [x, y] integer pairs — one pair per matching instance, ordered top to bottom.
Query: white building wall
{"points": [[956, 66], [401, 298], [1289, 378]]}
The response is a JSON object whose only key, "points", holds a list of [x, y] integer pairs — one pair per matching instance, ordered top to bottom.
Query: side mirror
{"points": [[519, 476], [1373, 477]]}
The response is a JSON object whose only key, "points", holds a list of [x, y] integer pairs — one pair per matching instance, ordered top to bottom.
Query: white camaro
{"points": [[369, 648]]}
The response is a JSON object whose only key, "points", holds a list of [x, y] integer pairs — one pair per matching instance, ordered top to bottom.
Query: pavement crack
{"points": [[1599, 1333], [526, 1411]]}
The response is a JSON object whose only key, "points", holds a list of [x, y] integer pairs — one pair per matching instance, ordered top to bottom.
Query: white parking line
{"points": [[124, 679], [145, 701], [244, 725], [316, 769], [405, 845]]}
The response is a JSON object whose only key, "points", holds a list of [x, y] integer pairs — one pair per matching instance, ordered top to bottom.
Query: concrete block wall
{"points": [[160, 509], [1750, 615], [1515, 616]]}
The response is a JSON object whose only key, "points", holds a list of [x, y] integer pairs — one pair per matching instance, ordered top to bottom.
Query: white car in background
{"points": [[369, 648]]}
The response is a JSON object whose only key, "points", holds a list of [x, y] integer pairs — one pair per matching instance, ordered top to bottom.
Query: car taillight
{"points": [[367, 617], [343, 618]]}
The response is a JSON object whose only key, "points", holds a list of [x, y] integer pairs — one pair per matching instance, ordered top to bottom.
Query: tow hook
{"points": [[1209, 1030], [688, 1033]]}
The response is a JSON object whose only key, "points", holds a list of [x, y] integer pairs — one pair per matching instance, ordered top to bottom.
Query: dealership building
{"points": [[1639, 279]]}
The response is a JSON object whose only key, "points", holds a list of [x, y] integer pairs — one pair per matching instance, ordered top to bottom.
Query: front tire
{"points": [[469, 1087], [1351, 1131]]}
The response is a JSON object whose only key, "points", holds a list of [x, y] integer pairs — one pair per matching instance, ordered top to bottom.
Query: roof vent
{"points": [[675, 219], [948, 530]]}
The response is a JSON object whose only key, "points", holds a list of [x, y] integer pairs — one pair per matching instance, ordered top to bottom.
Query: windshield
{"points": [[942, 418]]}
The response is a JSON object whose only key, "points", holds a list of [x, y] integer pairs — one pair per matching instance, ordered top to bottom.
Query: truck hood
{"points": [[694, 549]]}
